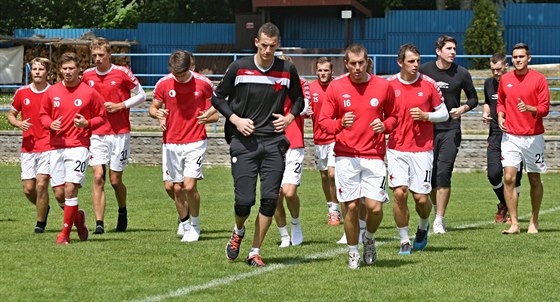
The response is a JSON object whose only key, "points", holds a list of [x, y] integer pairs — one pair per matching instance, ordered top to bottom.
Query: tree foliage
{"points": [[109, 13], [484, 36]]}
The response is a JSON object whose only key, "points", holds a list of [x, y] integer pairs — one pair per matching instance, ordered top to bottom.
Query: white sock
{"points": [[438, 219], [295, 220], [194, 221], [423, 223], [362, 224], [283, 231], [240, 232], [403, 233], [369, 235], [353, 249], [254, 251]]}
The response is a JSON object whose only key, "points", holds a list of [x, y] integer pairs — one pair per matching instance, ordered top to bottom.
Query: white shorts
{"points": [[110, 148], [530, 149], [324, 156], [183, 160], [33, 164], [68, 165], [294, 166], [411, 169], [360, 177]]}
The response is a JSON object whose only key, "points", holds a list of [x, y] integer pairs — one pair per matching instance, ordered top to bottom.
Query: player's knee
{"points": [[400, 194], [268, 207], [242, 210]]}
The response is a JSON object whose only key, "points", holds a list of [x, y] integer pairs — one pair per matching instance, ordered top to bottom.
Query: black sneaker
{"points": [[122, 222], [99, 229], [39, 230], [232, 247]]}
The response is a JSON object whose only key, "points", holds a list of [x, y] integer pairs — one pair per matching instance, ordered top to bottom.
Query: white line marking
{"points": [[227, 280]]}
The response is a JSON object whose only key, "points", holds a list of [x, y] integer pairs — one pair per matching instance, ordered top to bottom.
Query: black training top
{"points": [[451, 81], [256, 94], [491, 98]]}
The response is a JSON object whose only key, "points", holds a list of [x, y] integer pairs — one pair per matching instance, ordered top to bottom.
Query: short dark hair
{"points": [[269, 29], [441, 40], [521, 46], [407, 47], [355, 49], [69, 56], [498, 57], [323, 60], [180, 61]]}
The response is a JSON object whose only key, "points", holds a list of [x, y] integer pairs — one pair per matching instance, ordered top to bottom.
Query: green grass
{"points": [[472, 262]]}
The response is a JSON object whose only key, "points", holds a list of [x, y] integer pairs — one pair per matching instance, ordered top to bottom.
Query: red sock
{"points": [[69, 212]]}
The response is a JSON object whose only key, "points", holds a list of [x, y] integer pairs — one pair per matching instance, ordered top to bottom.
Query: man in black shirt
{"points": [[498, 66], [451, 79], [256, 88]]}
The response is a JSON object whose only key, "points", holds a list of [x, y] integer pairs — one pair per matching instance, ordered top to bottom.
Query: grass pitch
{"points": [[472, 262]]}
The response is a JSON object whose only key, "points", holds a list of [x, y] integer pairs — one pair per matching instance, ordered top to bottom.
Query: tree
{"points": [[484, 34]]}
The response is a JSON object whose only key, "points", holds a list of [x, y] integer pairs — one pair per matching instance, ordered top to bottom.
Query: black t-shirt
{"points": [[451, 81], [256, 94], [491, 98]]}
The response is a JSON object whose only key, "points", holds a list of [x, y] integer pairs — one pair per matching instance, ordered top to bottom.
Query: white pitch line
{"points": [[273, 267]]}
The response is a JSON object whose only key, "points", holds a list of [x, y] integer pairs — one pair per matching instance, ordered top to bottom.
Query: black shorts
{"points": [[446, 147], [257, 156], [494, 160]]}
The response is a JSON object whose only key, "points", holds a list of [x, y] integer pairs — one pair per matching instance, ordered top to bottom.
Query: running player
{"points": [[451, 79], [251, 96], [179, 99], [523, 102], [71, 110], [359, 110], [110, 143], [324, 143], [35, 145], [410, 147], [495, 172], [292, 173]]}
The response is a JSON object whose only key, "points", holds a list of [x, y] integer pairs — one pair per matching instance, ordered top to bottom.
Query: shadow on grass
{"points": [[7, 220], [439, 249], [390, 263]]}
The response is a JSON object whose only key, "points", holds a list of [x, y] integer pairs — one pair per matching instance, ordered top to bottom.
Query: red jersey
{"points": [[114, 85], [532, 88], [318, 95], [28, 101], [61, 101], [184, 101], [368, 101], [294, 131], [411, 135]]}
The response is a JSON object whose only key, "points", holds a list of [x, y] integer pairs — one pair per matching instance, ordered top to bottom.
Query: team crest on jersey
{"points": [[91, 83], [113, 83], [442, 85], [509, 85], [277, 86], [172, 93], [196, 93], [397, 93], [420, 93], [26, 101], [78, 102], [374, 102]]}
